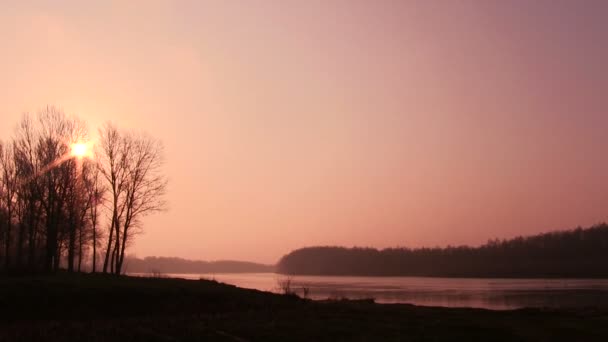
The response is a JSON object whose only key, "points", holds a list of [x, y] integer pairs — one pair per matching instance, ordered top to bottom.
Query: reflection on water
{"points": [[498, 294]]}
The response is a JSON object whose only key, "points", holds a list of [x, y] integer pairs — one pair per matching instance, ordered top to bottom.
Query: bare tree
{"points": [[55, 133], [112, 165], [132, 166], [8, 187], [95, 192], [48, 193], [29, 194], [51, 202]]}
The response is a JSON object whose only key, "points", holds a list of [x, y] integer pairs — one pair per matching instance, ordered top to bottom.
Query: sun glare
{"points": [[79, 150]]}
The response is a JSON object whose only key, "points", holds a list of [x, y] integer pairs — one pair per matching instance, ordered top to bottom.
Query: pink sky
{"points": [[368, 123]]}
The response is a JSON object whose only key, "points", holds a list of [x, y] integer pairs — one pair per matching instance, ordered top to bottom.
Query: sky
{"points": [[355, 123]]}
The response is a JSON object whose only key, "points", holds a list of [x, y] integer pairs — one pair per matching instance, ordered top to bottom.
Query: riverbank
{"points": [[483, 293], [98, 308]]}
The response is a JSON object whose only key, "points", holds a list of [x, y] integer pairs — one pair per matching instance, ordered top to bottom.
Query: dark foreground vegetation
{"points": [[577, 253], [165, 265], [79, 307]]}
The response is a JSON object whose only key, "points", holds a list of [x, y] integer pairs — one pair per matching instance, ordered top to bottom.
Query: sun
{"points": [[79, 150]]}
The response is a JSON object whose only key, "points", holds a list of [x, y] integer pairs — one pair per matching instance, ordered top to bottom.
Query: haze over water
{"points": [[368, 123]]}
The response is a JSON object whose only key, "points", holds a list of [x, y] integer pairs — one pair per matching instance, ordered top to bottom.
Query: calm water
{"points": [[498, 294]]}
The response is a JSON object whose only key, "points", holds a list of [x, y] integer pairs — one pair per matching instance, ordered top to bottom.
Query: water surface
{"points": [[490, 293]]}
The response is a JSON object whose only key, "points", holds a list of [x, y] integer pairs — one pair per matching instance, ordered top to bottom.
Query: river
{"points": [[489, 293]]}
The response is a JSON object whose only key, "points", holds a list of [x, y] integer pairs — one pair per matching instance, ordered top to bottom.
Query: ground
{"points": [[82, 307]]}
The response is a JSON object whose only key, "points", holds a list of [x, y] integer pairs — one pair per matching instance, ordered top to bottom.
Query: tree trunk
{"points": [[33, 228], [51, 232], [20, 240], [7, 244], [71, 245], [51, 246], [79, 247], [94, 247], [108, 249], [122, 249], [116, 250], [115, 255], [31, 258], [57, 259], [112, 264]]}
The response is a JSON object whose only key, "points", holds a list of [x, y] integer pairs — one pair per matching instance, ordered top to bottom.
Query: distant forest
{"points": [[573, 253], [178, 265]]}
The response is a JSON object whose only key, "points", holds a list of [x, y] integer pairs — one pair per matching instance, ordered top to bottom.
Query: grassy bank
{"points": [[97, 308]]}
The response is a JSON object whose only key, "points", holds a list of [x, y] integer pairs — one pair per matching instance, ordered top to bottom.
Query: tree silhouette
{"points": [[131, 165], [8, 191], [51, 201]]}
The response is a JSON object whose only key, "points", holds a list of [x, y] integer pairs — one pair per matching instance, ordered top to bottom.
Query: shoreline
{"points": [[378, 276], [103, 307]]}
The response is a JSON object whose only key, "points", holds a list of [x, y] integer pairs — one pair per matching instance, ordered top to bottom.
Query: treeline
{"points": [[66, 204], [573, 253], [178, 265]]}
